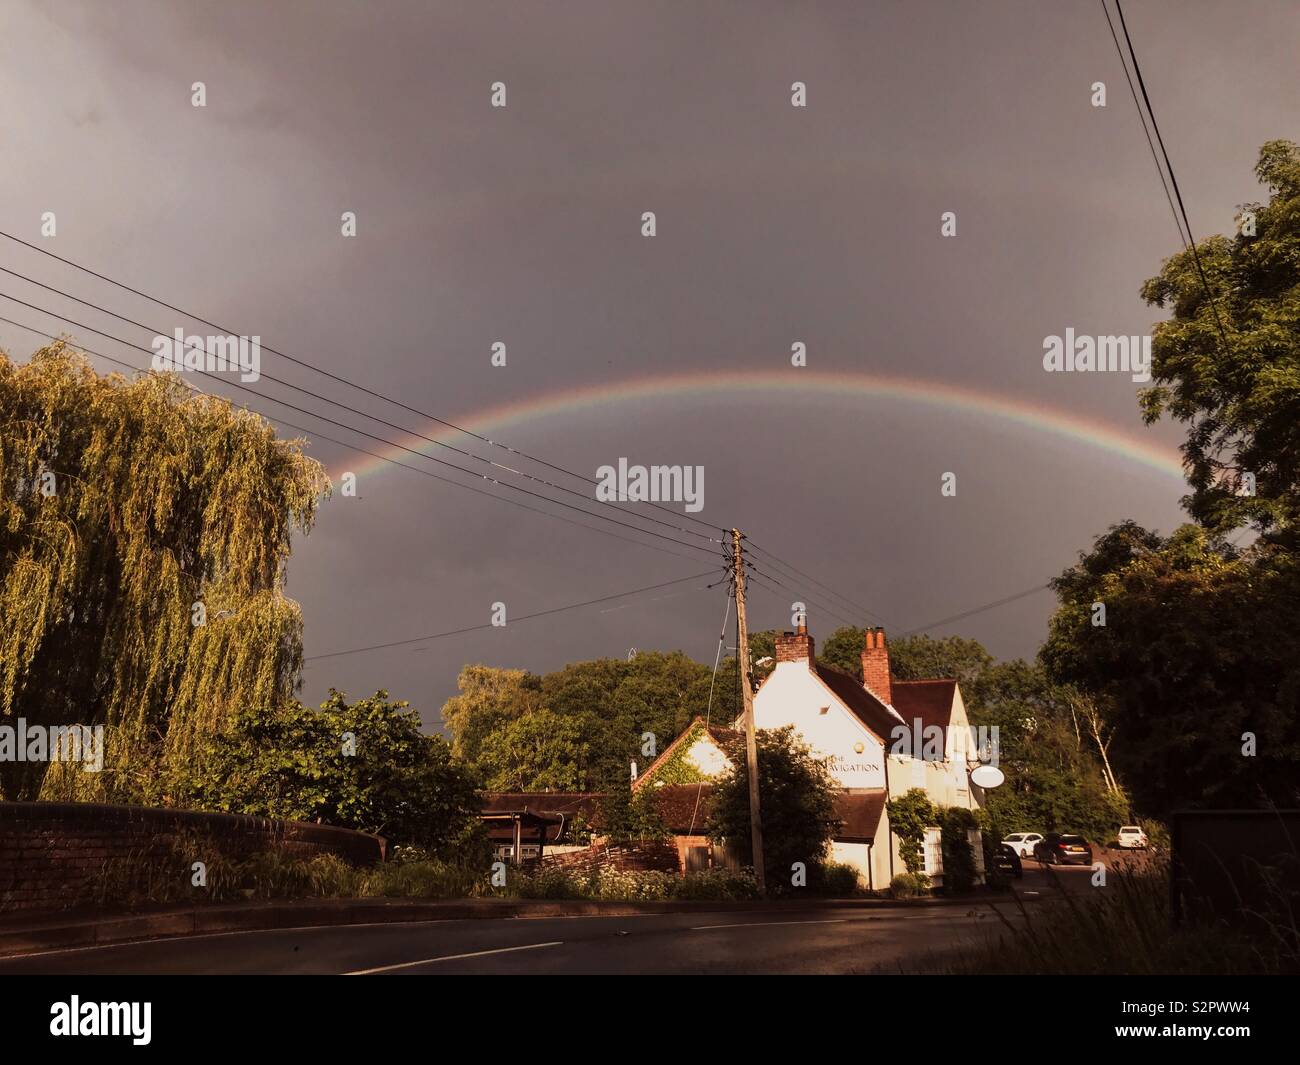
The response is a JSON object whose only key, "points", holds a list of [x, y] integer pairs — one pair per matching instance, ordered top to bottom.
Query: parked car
{"points": [[1131, 837], [1022, 843], [1057, 848], [1007, 861]]}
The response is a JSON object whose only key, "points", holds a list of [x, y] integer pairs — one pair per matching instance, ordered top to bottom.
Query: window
{"points": [[933, 850]]}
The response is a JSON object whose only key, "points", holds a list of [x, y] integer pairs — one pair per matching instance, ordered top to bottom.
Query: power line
{"points": [[1142, 119], [1178, 195], [343, 380], [342, 406], [362, 432], [373, 454], [777, 561], [755, 573], [978, 609], [525, 617]]}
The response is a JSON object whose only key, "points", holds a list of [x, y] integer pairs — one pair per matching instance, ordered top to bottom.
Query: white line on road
{"points": [[760, 924], [451, 957]]}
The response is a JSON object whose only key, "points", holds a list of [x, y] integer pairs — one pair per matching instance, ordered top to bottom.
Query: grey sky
{"points": [[775, 224]]}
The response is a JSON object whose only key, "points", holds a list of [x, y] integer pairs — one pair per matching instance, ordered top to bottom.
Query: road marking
{"points": [[760, 924], [451, 957]]}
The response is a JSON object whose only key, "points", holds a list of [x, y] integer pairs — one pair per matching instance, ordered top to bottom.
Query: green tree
{"points": [[1239, 390], [144, 533], [919, 657], [1199, 658], [489, 698], [607, 706], [540, 751], [365, 765], [1055, 780], [796, 793], [628, 817]]}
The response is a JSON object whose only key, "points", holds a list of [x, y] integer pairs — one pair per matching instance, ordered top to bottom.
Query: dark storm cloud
{"points": [[775, 224]]}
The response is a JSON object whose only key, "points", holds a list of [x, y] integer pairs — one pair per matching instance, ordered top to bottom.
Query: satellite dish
{"points": [[987, 776]]}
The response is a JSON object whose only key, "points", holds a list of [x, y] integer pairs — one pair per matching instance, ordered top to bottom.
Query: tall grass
{"points": [[1122, 928]]}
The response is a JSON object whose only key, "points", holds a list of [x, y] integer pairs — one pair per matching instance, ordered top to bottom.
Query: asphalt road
{"points": [[786, 941]]}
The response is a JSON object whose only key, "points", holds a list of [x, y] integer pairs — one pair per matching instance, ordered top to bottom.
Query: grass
{"points": [[1122, 928]]}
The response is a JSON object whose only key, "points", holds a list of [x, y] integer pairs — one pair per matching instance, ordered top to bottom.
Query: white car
{"points": [[1131, 837], [1023, 843]]}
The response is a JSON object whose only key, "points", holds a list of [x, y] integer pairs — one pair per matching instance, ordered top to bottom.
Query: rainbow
{"points": [[727, 384]]}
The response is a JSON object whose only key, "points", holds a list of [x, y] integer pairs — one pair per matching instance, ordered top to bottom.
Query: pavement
{"points": [[830, 936]]}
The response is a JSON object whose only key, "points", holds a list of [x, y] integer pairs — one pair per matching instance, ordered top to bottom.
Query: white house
{"points": [[879, 739]]}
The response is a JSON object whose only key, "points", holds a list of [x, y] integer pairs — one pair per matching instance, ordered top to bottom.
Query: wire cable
{"points": [[1164, 184], [1178, 195], [340, 379], [346, 407], [362, 432], [314, 435], [776, 561], [979, 609], [525, 617]]}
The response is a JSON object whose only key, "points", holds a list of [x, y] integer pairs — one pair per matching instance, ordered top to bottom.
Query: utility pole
{"points": [[747, 694]]}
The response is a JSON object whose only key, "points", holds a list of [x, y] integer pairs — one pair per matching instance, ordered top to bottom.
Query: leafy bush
{"points": [[365, 765], [798, 804], [955, 823], [836, 878], [423, 880], [548, 883], [625, 885], [714, 885], [909, 885]]}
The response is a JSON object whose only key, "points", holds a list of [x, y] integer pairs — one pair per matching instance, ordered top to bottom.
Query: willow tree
{"points": [[144, 534]]}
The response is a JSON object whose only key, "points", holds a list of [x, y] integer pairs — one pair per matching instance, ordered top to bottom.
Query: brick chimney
{"points": [[795, 646], [875, 667]]}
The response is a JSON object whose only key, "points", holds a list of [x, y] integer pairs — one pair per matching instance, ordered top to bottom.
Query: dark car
{"points": [[1063, 849], [1007, 861]]}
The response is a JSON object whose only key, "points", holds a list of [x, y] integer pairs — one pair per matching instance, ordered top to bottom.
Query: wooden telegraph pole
{"points": [[747, 694]]}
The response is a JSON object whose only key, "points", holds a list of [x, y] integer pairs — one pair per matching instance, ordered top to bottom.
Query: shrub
{"points": [[798, 804], [955, 824], [836, 878], [423, 880], [546, 883], [626, 885], [717, 885], [909, 885]]}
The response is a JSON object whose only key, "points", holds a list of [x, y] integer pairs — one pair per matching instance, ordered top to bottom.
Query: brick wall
{"points": [[795, 647], [875, 666], [50, 851]]}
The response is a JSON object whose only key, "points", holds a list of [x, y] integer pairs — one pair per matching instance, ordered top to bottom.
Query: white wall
{"points": [[793, 695]]}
